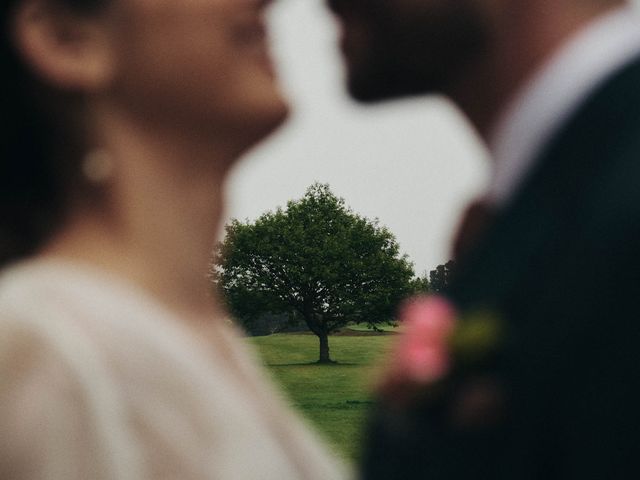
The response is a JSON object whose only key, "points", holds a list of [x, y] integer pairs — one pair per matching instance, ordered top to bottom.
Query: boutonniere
{"points": [[436, 338]]}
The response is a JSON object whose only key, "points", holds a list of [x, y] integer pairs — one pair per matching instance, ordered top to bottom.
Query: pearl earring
{"points": [[97, 166]]}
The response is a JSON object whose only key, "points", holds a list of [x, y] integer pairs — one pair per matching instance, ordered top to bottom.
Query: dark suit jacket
{"points": [[561, 266]]}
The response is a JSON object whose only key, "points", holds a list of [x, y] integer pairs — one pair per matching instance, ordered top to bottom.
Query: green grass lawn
{"points": [[363, 327], [335, 398]]}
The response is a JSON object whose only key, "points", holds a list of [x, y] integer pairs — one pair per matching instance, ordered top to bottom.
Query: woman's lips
{"points": [[253, 38]]}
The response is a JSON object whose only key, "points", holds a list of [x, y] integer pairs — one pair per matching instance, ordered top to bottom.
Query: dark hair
{"points": [[32, 198]]}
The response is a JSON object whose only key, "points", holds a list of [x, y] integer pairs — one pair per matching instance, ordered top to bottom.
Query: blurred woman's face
{"points": [[202, 65]]}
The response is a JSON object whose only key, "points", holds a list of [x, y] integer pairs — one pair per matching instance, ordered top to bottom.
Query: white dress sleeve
{"points": [[58, 418]]}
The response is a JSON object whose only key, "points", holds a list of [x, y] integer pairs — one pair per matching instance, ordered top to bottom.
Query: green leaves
{"points": [[316, 260], [478, 335]]}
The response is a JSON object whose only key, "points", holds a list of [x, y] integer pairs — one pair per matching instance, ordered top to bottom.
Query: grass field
{"points": [[335, 398]]}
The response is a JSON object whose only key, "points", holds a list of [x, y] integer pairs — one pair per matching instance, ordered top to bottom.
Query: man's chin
{"points": [[378, 88], [365, 94]]}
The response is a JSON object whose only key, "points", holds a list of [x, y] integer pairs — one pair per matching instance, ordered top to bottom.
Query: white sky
{"points": [[413, 164]]}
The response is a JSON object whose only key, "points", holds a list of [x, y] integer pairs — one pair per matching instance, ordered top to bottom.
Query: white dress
{"points": [[99, 381]]}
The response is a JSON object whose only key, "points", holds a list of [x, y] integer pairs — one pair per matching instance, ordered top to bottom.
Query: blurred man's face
{"points": [[395, 48]]}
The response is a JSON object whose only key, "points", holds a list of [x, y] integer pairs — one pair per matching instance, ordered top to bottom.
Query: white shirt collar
{"points": [[555, 92]]}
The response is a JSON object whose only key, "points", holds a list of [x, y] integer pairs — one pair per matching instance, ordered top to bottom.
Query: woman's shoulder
{"points": [[29, 285], [66, 297], [23, 299], [33, 306], [35, 331], [41, 341], [55, 396]]}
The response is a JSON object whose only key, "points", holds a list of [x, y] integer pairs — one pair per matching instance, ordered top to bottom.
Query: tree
{"points": [[318, 262], [440, 278], [421, 285]]}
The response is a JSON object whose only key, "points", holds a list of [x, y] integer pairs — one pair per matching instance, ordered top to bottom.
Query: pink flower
{"points": [[430, 318], [421, 356], [423, 363]]}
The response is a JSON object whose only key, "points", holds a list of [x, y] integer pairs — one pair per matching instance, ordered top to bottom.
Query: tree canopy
{"points": [[318, 262], [440, 277], [436, 281]]}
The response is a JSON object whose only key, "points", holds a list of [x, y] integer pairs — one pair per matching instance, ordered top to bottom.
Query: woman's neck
{"points": [[157, 217]]}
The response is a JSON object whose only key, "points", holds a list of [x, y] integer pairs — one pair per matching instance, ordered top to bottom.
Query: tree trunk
{"points": [[318, 329], [324, 348]]}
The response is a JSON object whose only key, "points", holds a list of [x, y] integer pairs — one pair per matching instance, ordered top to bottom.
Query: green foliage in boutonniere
{"points": [[477, 336]]}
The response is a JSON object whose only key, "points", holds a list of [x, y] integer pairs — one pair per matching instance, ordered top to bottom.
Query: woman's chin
{"points": [[279, 114], [269, 118]]}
